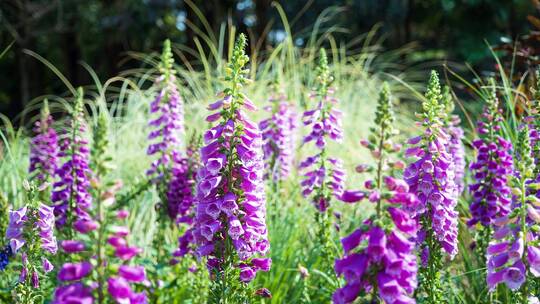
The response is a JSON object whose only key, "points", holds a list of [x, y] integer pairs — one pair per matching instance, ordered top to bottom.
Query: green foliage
{"points": [[101, 161], [4, 217]]}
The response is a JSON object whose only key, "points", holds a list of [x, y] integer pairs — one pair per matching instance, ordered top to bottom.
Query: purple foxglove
{"points": [[533, 122], [168, 127], [279, 137], [455, 142], [44, 149], [457, 150], [324, 175], [431, 176], [180, 189], [490, 192], [70, 195], [185, 211], [38, 220], [230, 223], [30, 232], [379, 255], [512, 255], [116, 280], [73, 293]]}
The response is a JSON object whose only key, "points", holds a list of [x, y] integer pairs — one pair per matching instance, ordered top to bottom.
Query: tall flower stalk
{"points": [[533, 121], [279, 136], [165, 137], [166, 140], [455, 144], [44, 149], [325, 176], [431, 177], [184, 187], [490, 192], [71, 196], [230, 224], [31, 236], [514, 253], [185, 255], [379, 256], [101, 270]]}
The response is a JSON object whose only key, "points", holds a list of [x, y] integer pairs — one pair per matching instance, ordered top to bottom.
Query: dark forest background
{"points": [[100, 32]]}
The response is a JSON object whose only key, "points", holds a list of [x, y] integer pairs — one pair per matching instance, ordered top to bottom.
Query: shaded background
{"points": [[100, 32]]}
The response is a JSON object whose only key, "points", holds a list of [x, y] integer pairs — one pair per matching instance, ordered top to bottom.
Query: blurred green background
{"points": [[102, 33]]}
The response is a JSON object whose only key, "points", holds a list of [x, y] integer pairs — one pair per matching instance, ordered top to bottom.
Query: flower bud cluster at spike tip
{"points": [[168, 127], [279, 137], [455, 145], [44, 149], [101, 160], [431, 175], [326, 177], [490, 192], [70, 195], [231, 202], [511, 251], [379, 255], [121, 278]]}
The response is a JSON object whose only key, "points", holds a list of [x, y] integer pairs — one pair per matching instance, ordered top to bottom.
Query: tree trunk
{"points": [[262, 8], [408, 20], [72, 52]]}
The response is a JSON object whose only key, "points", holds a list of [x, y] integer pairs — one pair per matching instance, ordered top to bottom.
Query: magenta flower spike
{"points": [[168, 127], [279, 137], [455, 142], [44, 149], [457, 150], [170, 171], [324, 176], [431, 177], [183, 186], [180, 191], [491, 193], [71, 197], [230, 223], [512, 254], [98, 258], [379, 261], [95, 278]]}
